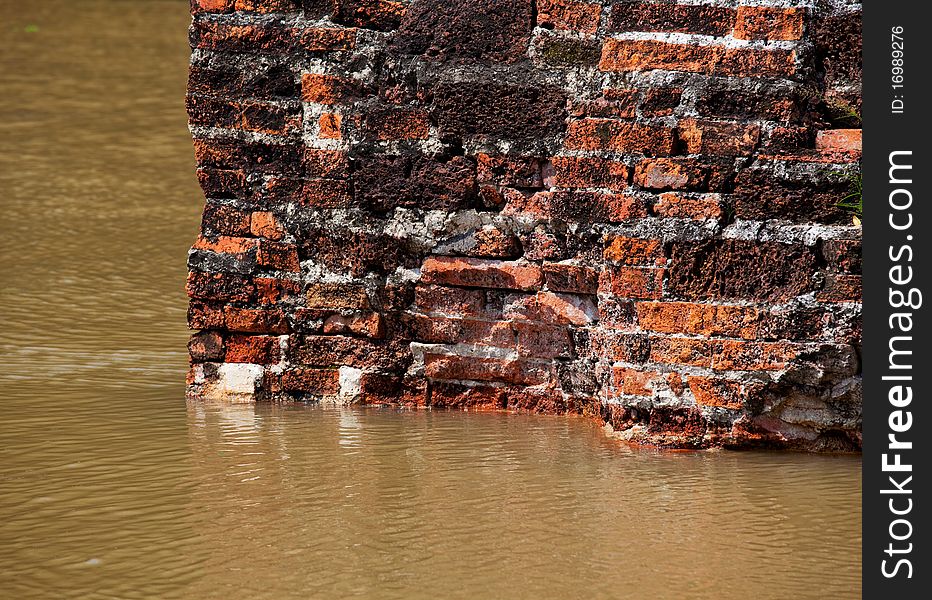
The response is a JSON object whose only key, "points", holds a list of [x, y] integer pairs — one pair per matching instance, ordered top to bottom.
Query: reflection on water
{"points": [[111, 487]]}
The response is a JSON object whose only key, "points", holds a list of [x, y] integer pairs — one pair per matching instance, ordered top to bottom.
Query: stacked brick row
{"points": [[626, 209]]}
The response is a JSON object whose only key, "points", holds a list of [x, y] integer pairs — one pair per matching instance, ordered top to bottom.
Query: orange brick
{"points": [[211, 6], [267, 6], [567, 14], [769, 23], [327, 39], [649, 55], [327, 89], [329, 126], [621, 136], [839, 141], [672, 204], [264, 224], [226, 244], [633, 251], [632, 282], [699, 319], [686, 351], [737, 355], [633, 381], [722, 393]]}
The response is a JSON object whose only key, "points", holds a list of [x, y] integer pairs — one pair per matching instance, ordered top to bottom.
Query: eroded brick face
{"points": [[628, 209]]}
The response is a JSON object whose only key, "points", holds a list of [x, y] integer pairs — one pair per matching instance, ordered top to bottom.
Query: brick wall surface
{"points": [[626, 209]]}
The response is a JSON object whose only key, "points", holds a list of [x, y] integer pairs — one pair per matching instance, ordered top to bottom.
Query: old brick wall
{"points": [[622, 208]]}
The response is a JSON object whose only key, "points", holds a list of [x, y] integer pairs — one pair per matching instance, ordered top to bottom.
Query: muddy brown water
{"points": [[112, 486]]}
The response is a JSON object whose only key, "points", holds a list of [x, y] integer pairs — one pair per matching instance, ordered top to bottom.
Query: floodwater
{"points": [[111, 486]]}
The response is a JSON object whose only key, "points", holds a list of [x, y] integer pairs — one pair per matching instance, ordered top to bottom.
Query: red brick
{"points": [[568, 14], [769, 23], [326, 39], [328, 89], [620, 136], [718, 137], [839, 141], [513, 171], [587, 172], [669, 174], [526, 204], [672, 204], [264, 224], [492, 242], [633, 251], [278, 255], [471, 272], [572, 279], [633, 282], [270, 290], [337, 296], [450, 301], [549, 307], [205, 315], [699, 319], [255, 320], [367, 324], [444, 330], [537, 340], [206, 346], [256, 349], [343, 350], [685, 351], [737, 355], [517, 371], [324, 382], [721, 393], [450, 395]]}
